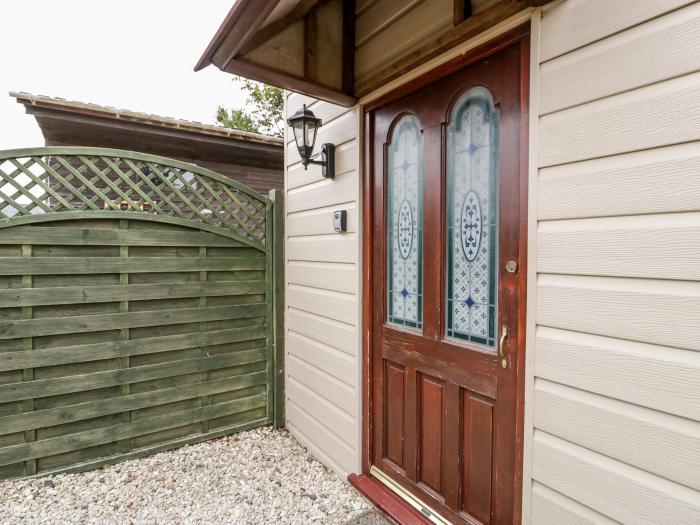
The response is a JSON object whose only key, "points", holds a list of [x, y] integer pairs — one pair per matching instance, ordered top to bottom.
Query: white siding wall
{"points": [[323, 358], [616, 433]]}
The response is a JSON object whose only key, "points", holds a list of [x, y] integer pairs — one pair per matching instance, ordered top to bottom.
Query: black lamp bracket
{"points": [[327, 161]]}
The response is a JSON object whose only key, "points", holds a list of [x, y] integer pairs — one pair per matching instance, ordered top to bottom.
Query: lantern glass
{"points": [[304, 125], [310, 127]]}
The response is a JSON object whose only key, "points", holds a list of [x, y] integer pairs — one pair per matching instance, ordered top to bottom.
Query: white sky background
{"points": [[129, 54]]}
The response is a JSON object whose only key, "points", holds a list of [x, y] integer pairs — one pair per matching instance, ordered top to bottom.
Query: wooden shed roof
{"points": [[65, 122]]}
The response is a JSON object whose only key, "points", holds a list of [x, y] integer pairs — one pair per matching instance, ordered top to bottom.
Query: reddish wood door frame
{"points": [[509, 507]]}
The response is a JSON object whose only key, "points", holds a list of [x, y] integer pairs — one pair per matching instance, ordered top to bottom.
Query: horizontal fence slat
{"points": [[75, 236], [88, 265], [13, 298], [101, 322], [114, 349], [77, 383], [71, 413], [242, 422], [91, 438]]}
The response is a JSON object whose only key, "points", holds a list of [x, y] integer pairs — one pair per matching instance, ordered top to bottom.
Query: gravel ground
{"points": [[260, 476]]}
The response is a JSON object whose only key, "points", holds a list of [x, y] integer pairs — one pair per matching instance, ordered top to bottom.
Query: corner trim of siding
{"points": [[531, 314]]}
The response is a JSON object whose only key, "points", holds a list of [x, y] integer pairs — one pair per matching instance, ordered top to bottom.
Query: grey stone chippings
{"points": [[259, 476]]}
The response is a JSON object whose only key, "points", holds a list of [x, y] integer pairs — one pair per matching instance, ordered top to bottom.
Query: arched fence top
{"points": [[56, 183]]}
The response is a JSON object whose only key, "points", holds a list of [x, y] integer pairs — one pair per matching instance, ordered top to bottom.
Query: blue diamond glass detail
{"points": [[472, 149], [404, 292], [469, 302]]}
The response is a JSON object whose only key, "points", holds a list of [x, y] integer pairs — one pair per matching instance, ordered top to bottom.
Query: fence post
{"points": [[277, 198]]}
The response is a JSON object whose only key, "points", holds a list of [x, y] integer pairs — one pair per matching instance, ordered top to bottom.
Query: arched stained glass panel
{"points": [[472, 218], [405, 223]]}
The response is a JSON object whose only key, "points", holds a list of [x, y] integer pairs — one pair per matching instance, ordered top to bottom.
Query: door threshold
{"points": [[397, 503]]}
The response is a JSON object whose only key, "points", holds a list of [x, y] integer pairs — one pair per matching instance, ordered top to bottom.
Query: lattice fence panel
{"points": [[51, 180]]}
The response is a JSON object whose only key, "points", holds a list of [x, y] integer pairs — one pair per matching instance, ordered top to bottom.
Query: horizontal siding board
{"points": [[574, 23], [625, 61], [649, 117], [346, 161], [661, 180], [327, 192], [320, 220], [338, 247], [653, 247], [85, 265], [328, 276], [125, 292], [334, 305], [622, 308], [101, 322], [338, 335], [327, 358], [657, 377], [333, 390], [321, 410], [634, 435], [322, 438], [319, 454], [614, 489], [551, 508]]}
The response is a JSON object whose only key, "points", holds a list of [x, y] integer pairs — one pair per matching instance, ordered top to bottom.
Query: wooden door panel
{"points": [[431, 403], [443, 413], [394, 415], [477, 439]]}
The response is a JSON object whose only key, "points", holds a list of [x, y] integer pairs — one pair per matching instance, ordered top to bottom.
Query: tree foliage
{"points": [[263, 113]]}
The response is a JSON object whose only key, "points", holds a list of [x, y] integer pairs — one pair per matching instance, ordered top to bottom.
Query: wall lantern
{"points": [[304, 124]]}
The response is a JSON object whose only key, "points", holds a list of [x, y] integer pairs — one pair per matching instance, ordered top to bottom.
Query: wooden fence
{"points": [[137, 307]]}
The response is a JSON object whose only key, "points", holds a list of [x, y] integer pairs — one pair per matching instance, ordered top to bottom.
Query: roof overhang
{"points": [[301, 45], [309, 46]]}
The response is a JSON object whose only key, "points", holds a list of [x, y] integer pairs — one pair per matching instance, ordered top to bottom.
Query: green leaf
{"points": [[265, 115]]}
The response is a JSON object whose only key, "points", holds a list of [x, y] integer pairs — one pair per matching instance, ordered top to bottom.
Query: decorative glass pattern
{"points": [[472, 218], [405, 223]]}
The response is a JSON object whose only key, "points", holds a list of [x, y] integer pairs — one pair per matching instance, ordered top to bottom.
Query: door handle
{"points": [[502, 347]]}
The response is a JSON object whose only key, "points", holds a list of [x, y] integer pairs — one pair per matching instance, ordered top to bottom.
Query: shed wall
{"points": [[323, 369], [614, 428], [616, 434]]}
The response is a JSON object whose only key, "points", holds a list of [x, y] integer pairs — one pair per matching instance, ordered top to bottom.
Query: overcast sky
{"points": [[129, 54]]}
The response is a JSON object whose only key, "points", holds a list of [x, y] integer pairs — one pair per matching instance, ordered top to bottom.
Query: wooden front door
{"points": [[448, 289]]}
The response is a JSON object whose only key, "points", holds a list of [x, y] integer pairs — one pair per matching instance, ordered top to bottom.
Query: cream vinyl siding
{"points": [[323, 365], [616, 416]]}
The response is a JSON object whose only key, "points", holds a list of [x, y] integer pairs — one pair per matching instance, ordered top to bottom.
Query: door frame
{"points": [[519, 36]]}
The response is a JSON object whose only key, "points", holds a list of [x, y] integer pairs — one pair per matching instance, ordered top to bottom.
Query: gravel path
{"points": [[260, 476]]}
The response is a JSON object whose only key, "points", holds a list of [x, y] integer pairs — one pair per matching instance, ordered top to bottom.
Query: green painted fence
{"points": [[138, 307]]}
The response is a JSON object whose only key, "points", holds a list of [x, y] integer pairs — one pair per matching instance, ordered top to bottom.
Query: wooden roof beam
{"points": [[248, 69]]}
